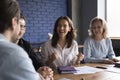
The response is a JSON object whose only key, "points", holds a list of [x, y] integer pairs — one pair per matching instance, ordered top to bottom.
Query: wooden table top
{"points": [[102, 75]]}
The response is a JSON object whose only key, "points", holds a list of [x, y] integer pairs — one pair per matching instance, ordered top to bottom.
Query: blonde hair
{"points": [[104, 25]]}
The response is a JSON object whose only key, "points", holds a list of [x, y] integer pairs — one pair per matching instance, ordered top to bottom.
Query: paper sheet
{"points": [[113, 69], [86, 70]]}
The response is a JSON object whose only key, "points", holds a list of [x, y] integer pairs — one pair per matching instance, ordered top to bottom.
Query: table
{"points": [[103, 75]]}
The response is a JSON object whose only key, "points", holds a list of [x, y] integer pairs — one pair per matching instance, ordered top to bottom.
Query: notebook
{"points": [[66, 69]]}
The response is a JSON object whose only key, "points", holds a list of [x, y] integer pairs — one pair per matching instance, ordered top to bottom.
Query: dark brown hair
{"points": [[8, 10], [69, 37]]}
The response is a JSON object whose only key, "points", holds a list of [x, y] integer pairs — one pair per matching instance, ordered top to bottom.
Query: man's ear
{"points": [[14, 22]]}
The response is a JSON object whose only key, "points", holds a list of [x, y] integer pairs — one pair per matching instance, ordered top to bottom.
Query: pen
{"points": [[101, 67]]}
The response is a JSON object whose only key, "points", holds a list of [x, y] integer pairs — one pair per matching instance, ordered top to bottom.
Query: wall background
{"points": [[42, 14], [40, 17]]}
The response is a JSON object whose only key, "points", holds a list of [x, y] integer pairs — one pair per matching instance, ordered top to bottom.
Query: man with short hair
{"points": [[14, 61]]}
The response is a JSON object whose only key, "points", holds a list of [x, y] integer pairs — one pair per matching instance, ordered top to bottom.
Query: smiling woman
{"points": [[98, 47], [62, 49]]}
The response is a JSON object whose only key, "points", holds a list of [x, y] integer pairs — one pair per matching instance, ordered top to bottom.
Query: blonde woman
{"points": [[98, 47]]}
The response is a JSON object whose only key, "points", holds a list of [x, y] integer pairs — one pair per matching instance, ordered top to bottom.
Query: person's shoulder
{"points": [[88, 39], [108, 39], [25, 41], [75, 42], [47, 43], [25, 44], [16, 48], [12, 49], [16, 56]]}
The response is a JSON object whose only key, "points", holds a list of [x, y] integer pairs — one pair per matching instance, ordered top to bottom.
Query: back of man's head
{"points": [[8, 10]]}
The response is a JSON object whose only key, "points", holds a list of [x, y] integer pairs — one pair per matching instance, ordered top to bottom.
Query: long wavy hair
{"points": [[104, 25], [69, 37]]}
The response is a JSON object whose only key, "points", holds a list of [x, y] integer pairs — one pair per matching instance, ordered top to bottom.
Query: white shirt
{"points": [[66, 56]]}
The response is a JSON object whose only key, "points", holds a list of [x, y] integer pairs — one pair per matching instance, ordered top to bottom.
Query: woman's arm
{"points": [[111, 53], [48, 55], [80, 57], [51, 59]]}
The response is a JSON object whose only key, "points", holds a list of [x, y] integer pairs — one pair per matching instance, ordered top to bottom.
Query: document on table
{"points": [[113, 69], [86, 70]]}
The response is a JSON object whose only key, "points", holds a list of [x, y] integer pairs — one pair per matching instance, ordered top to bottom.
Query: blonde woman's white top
{"points": [[98, 51]]}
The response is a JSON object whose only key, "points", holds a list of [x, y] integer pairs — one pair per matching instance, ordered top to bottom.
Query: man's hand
{"points": [[46, 72]]}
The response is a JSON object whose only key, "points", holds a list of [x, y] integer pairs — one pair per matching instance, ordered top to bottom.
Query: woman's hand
{"points": [[80, 57], [52, 58], [115, 60], [108, 61], [112, 61], [46, 72]]}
